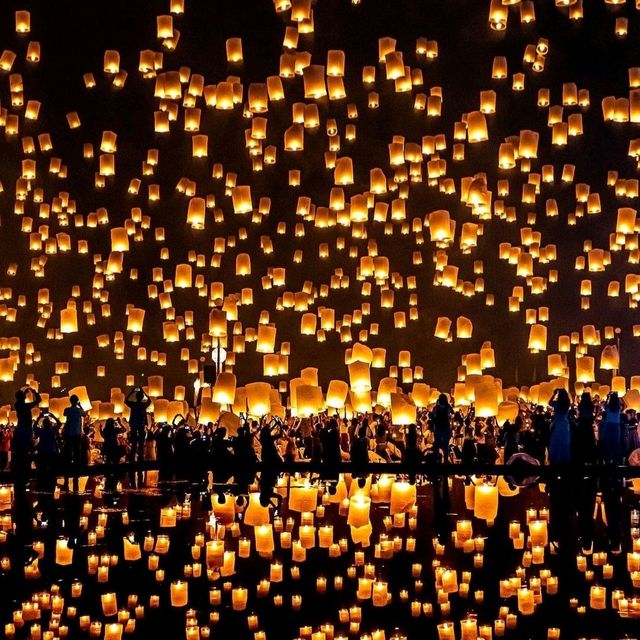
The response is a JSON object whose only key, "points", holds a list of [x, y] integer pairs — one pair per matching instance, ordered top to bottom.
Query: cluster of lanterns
{"points": [[357, 223], [351, 532]]}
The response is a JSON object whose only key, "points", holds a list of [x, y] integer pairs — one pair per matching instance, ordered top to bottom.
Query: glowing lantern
{"points": [[477, 127], [439, 225], [68, 320], [443, 327], [464, 327], [266, 338], [538, 338], [610, 358], [585, 369], [360, 377], [224, 390], [337, 393], [258, 398], [486, 399], [507, 410], [402, 412], [485, 505]]}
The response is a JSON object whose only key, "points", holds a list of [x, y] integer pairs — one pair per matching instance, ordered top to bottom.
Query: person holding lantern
{"points": [[22, 441]]}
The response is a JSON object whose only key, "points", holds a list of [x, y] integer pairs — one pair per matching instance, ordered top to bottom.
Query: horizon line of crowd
{"points": [[591, 430]]}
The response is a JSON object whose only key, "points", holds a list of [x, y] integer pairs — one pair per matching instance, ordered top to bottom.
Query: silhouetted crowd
{"points": [[590, 430]]}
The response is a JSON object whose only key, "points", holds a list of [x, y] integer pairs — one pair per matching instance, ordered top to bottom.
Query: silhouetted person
{"points": [[138, 402], [74, 415], [441, 419], [46, 430], [610, 430], [511, 437], [583, 439], [538, 440], [560, 440], [22, 441], [181, 441], [5, 447], [360, 448], [112, 450], [164, 451], [469, 453], [199, 454], [412, 454], [270, 455], [331, 455], [221, 456], [244, 456]]}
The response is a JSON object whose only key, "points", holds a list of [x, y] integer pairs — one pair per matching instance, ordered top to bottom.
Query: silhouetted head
{"points": [[20, 395], [139, 395], [74, 399], [442, 399], [564, 402], [613, 403], [110, 423]]}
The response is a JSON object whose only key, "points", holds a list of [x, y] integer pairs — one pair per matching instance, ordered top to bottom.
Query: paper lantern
{"points": [[314, 82], [477, 127], [439, 225], [243, 264], [183, 277], [68, 320], [443, 326], [464, 327], [266, 338], [538, 338], [610, 358], [585, 369], [360, 377], [154, 386], [224, 390], [337, 394], [258, 398], [486, 399], [309, 400], [507, 410], [402, 412], [403, 497], [485, 504], [358, 514], [64, 555], [179, 594]]}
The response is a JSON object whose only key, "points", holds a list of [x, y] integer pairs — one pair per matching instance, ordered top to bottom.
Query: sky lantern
{"points": [[359, 377]]}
